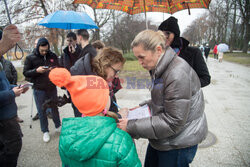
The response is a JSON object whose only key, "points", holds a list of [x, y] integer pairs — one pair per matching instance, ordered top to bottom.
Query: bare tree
{"points": [[244, 8]]}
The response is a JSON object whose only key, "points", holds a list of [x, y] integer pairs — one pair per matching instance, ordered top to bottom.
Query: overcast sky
{"points": [[183, 18]]}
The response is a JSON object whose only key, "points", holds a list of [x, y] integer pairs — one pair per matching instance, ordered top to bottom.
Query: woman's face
{"points": [[169, 37], [147, 58], [113, 71]]}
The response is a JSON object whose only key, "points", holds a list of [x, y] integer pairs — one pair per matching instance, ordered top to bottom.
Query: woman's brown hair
{"points": [[106, 58]]}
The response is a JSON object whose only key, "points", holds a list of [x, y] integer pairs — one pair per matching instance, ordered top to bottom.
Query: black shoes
{"points": [[36, 117], [19, 120]]}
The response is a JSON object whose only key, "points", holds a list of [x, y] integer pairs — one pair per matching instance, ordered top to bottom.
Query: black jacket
{"points": [[88, 49], [194, 58], [67, 59], [32, 62], [9, 70]]}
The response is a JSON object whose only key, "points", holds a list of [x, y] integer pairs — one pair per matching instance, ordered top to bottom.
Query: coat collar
{"points": [[164, 62]]}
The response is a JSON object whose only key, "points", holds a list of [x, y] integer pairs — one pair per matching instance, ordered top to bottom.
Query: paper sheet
{"points": [[139, 113]]}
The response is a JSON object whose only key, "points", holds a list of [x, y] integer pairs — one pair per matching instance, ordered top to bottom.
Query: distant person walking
{"points": [[206, 51], [215, 51], [220, 56]]}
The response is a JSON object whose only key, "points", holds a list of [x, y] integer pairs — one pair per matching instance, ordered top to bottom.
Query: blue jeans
{"points": [[40, 96], [172, 158]]}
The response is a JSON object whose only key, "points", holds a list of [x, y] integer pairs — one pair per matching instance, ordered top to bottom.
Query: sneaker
{"points": [[36, 117], [19, 120], [58, 129], [46, 137]]}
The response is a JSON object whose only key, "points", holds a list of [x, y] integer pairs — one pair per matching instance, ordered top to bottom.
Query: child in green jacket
{"points": [[94, 139]]}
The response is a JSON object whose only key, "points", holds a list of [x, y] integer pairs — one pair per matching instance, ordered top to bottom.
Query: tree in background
{"points": [[27, 13], [226, 22]]}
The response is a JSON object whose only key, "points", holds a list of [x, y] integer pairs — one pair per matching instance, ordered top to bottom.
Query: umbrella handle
{"points": [[6, 6]]}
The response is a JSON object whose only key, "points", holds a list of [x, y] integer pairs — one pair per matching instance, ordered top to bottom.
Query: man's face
{"points": [[169, 37], [79, 39], [71, 41], [43, 50]]}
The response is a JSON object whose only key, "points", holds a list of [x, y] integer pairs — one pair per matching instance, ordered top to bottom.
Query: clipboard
{"points": [[139, 113]]}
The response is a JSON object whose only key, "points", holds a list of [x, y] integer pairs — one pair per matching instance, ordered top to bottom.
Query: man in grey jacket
{"points": [[178, 122]]}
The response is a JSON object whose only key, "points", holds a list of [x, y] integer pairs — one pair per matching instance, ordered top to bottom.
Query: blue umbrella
{"points": [[68, 20]]}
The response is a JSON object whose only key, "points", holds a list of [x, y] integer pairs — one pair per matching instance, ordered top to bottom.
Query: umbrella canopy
{"points": [[140, 6], [68, 20], [222, 47]]}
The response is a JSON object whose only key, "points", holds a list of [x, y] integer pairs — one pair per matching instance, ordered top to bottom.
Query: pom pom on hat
{"points": [[171, 24], [60, 76], [89, 93]]}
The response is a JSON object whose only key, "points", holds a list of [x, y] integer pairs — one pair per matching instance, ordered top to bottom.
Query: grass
{"points": [[240, 58], [133, 69]]}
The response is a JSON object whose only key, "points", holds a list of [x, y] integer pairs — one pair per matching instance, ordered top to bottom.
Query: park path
{"points": [[227, 109]]}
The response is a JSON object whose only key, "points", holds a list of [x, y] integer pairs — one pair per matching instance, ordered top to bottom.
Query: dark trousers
{"points": [[40, 96], [10, 142], [173, 158]]}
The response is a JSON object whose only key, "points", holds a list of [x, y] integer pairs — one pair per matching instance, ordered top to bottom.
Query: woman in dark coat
{"points": [[192, 55]]}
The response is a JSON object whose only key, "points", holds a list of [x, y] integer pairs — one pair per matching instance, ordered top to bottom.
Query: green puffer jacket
{"points": [[96, 142]]}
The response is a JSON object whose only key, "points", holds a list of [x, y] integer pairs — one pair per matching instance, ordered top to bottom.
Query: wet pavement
{"points": [[227, 109]]}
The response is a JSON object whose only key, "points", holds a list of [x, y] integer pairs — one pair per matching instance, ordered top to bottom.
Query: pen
{"points": [[116, 105]]}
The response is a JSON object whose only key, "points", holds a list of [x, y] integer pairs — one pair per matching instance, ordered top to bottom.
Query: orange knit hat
{"points": [[89, 93]]}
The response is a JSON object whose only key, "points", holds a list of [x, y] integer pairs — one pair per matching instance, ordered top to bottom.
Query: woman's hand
{"points": [[123, 112], [122, 124]]}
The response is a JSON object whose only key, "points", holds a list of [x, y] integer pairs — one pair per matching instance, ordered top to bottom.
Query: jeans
{"points": [[40, 97], [10, 142], [172, 158]]}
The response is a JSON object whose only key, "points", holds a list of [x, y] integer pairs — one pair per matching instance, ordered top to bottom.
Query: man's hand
{"points": [[10, 37], [72, 49], [41, 69], [25, 89], [17, 91], [122, 124]]}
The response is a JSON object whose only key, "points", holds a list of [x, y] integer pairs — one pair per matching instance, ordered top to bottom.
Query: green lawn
{"points": [[240, 58]]}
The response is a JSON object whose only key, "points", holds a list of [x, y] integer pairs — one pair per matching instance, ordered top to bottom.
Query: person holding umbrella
{"points": [[222, 48], [192, 55], [10, 131]]}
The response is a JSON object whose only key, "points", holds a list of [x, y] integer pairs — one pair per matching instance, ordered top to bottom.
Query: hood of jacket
{"points": [[40, 41], [82, 138]]}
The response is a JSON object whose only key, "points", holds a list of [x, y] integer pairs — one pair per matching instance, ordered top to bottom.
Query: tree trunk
{"points": [[233, 32], [247, 34]]}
